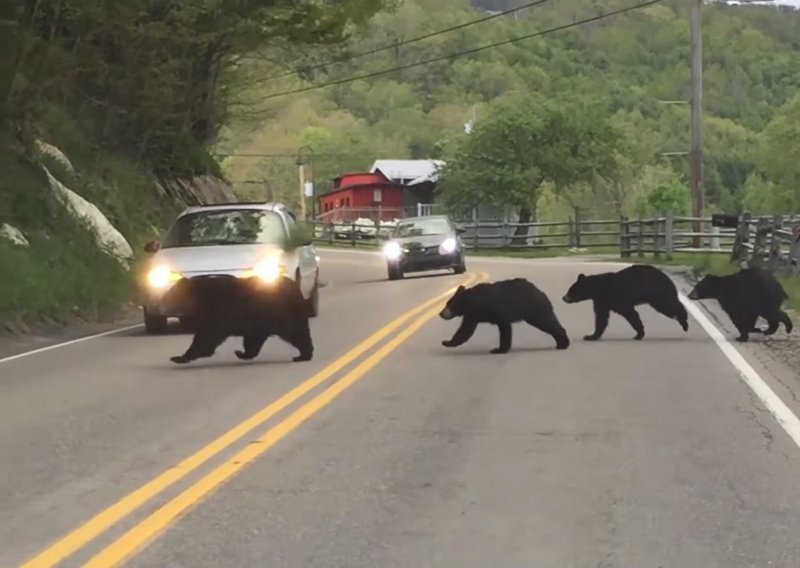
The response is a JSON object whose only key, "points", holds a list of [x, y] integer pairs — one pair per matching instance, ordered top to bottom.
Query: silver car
{"points": [[239, 239]]}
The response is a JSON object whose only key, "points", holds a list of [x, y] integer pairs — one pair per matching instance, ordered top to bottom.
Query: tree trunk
{"points": [[22, 29], [521, 233]]}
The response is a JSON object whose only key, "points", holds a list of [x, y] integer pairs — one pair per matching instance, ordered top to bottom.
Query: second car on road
{"points": [[420, 244]]}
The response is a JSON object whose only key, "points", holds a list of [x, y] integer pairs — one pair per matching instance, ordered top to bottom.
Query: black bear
{"points": [[622, 291], [744, 296], [502, 304], [223, 307]]}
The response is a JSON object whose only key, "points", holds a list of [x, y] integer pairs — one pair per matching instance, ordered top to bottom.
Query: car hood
{"points": [[423, 241], [221, 258]]}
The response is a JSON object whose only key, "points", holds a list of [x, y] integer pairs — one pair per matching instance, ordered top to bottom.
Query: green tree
{"points": [[523, 141], [670, 197]]}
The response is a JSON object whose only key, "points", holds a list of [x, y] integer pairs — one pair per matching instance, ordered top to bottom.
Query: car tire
{"points": [[461, 268], [395, 272], [153, 323]]}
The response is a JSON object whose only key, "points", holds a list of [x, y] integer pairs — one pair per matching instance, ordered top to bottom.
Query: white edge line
{"points": [[67, 343], [782, 413]]}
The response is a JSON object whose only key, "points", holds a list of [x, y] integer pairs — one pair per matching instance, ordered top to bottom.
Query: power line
{"points": [[408, 41], [460, 53]]}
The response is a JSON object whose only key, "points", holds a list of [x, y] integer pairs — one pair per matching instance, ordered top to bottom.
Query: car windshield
{"points": [[226, 227], [422, 227]]}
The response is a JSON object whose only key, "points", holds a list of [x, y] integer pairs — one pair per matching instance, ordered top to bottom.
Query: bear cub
{"points": [[622, 291], [744, 296], [502, 304], [225, 307]]}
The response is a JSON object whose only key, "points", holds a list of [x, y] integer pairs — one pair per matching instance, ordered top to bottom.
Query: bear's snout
{"points": [[693, 295], [567, 299], [446, 314]]}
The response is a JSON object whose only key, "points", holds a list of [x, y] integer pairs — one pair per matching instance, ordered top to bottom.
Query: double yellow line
{"points": [[148, 529]]}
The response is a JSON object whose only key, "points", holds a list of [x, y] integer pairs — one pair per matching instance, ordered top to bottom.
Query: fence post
{"points": [[577, 228], [762, 228], [330, 232], [715, 232], [353, 233], [503, 234], [570, 234], [668, 234], [657, 236], [475, 238], [640, 240], [738, 249], [623, 252], [794, 254], [773, 261]]}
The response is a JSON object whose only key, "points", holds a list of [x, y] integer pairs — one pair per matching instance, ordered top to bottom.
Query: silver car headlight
{"points": [[449, 245], [392, 251], [268, 270], [162, 277]]}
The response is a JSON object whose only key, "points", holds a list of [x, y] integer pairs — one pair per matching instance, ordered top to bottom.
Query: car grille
{"points": [[424, 251]]}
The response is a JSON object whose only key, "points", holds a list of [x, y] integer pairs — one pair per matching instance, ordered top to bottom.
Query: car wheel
{"points": [[461, 268], [395, 272], [154, 323]]}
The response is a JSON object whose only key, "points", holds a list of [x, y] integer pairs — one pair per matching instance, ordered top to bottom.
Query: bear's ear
{"points": [[581, 277], [460, 289]]}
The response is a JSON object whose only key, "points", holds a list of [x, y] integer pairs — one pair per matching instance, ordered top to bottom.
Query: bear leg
{"points": [[673, 310], [601, 313], [632, 317], [776, 318], [787, 321], [744, 323], [551, 326], [462, 334], [505, 339], [301, 340], [203, 345], [252, 345]]}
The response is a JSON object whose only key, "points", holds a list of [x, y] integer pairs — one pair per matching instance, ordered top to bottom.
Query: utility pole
{"points": [[696, 153], [300, 168]]}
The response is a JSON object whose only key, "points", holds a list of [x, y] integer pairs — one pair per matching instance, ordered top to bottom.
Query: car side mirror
{"points": [[460, 230], [152, 246]]}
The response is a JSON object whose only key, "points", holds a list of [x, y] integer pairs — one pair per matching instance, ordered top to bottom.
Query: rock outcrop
{"points": [[109, 239]]}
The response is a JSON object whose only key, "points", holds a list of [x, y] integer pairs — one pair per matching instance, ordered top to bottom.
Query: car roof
{"points": [[254, 205]]}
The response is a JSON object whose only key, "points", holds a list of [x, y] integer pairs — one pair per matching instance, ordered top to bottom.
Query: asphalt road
{"points": [[609, 454]]}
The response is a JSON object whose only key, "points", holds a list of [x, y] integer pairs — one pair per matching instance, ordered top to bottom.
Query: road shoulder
{"points": [[17, 339]]}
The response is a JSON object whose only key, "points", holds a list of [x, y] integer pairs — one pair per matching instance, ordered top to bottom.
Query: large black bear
{"points": [[622, 291], [744, 296], [502, 304], [223, 307]]}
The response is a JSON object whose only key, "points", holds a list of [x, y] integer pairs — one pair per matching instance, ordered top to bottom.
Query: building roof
{"points": [[412, 172]]}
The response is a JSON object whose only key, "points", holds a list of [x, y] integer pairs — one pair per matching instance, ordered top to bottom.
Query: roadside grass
{"points": [[63, 274]]}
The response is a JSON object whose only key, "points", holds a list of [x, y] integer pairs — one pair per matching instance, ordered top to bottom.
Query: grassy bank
{"points": [[63, 274]]}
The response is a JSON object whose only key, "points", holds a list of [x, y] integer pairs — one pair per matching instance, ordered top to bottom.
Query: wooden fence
{"points": [[773, 242]]}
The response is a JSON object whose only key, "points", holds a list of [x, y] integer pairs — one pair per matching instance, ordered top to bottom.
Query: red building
{"points": [[362, 195]]}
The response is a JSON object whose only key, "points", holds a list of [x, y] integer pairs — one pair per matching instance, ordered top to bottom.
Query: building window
{"points": [[377, 195]]}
